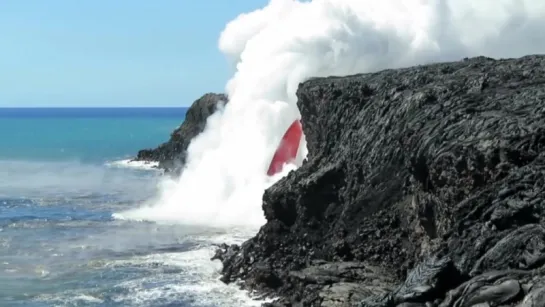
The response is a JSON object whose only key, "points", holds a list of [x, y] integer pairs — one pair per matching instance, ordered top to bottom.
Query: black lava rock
{"points": [[171, 155], [424, 186]]}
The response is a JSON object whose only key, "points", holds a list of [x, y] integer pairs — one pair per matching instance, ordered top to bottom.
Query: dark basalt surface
{"points": [[171, 155], [424, 186]]}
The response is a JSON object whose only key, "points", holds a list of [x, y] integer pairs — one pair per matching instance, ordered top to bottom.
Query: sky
{"points": [[123, 53]]}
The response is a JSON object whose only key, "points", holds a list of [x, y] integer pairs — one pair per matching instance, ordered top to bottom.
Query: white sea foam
{"points": [[133, 164], [187, 276], [200, 283]]}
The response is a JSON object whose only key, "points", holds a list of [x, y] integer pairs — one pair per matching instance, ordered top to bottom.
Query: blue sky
{"points": [[113, 53]]}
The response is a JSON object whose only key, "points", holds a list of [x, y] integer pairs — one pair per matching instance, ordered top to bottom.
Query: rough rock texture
{"points": [[171, 155], [424, 186]]}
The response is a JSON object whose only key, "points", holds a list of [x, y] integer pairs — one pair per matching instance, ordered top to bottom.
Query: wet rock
{"points": [[171, 155], [434, 175]]}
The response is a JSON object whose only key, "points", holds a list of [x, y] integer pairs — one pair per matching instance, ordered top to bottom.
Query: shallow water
{"points": [[62, 246]]}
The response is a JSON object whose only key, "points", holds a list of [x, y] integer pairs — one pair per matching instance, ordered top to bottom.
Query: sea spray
{"points": [[277, 47]]}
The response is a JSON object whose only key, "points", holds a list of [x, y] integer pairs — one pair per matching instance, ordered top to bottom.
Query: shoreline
{"points": [[421, 188]]}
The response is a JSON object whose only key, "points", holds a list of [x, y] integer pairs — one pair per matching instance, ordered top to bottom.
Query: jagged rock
{"points": [[171, 155], [433, 174], [522, 248], [328, 273], [428, 281], [338, 283], [346, 283], [494, 288], [343, 294], [536, 294]]}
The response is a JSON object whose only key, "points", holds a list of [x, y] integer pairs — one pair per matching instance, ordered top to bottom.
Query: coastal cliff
{"points": [[171, 155], [424, 186]]}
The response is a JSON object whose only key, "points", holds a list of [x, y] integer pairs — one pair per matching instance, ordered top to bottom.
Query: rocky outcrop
{"points": [[171, 155], [424, 186]]}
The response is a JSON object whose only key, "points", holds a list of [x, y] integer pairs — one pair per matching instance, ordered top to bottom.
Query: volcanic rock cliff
{"points": [[171, 155], [423, 186]]}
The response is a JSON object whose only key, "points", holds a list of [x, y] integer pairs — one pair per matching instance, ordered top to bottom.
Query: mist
{"points": [[273, 49]]}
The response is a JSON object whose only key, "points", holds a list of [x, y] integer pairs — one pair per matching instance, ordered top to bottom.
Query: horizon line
{"points": [[95, 107]]}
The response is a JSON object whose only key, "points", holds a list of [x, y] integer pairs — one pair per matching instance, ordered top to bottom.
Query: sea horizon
{"points": [[94, 107], [92, 112]]}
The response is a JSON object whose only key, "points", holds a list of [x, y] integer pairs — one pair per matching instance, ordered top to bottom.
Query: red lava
{"points": [[287, 150]]}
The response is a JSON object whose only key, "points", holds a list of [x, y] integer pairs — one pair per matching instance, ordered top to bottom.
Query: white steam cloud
{"points": [[289, 41]]}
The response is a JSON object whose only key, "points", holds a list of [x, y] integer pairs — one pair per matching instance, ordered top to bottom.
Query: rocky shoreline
{"points": [[171, 155], [424, 186]]}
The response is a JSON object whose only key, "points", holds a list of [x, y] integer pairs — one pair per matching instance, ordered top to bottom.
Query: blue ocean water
{"points": [[87, 134], [60, 246]]}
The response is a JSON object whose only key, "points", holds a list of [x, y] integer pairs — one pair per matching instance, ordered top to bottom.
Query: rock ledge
{"points": [[424, 186]]}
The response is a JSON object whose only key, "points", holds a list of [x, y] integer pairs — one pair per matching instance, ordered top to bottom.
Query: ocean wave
{"points": [[133, 164], [62, 180], [137, 264], [179, 279]]}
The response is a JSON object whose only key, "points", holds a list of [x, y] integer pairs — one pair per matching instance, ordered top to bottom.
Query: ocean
{"points": [[64, 173]]}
